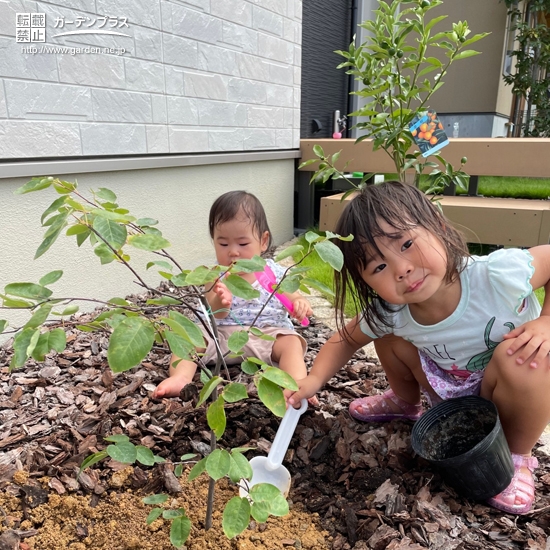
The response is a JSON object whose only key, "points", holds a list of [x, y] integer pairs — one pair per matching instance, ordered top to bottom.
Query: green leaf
{"points": [[434, 21], [474, 38], [464, 54], [318, 150], [307, 162], [36, 184], [64, 187], [105, 194], [56, 205], [75, 205], [114, 216], [146, 222], [52, 233], [114, 233], [81, 237], [312, 237], [148, 242], [289, 251], [104, 253], [330, 253], [160, 263], [257, 263], [200, 275], [51, 277], [179, 280], [290, 285], [318, 285], [241, 288], [28, 290], [164, 301], [14, 303], [69, 310], [107, 314], [39, 316], [3, 324], [192, 331], [55, 339], [237, 340], [130, 343], [21, 344], [179, 345], [248, 367], [281, 378], [208, 388], [234, 392], [271, 396], [215, 416], [117, 438], [123, 451], [145, 455], [187, 456], [91, 460], [218, 463], [240, 467], [197, 469], [178, 470], [265, 492], [159, 498], [260, 511], [154, 514], [173, 514], [236, 517], [179, 531]]}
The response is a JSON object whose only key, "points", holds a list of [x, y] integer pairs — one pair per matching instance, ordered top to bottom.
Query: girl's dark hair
{"points": [[227, 206], [403, 207]]}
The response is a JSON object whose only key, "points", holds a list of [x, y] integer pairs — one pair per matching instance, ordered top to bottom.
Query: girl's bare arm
{"points": [[533, 337], [334, 354]]}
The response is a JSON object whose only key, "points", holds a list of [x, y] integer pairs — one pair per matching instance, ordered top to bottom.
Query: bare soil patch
{"points": [[355, 485]]}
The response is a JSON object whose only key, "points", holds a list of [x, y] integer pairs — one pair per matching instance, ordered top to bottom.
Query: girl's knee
{"points": [[287, 344], [394, 344], [503, 367]]}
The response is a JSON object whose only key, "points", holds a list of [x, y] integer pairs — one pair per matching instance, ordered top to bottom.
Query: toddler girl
{"points": [[239, 230], [442, 320]]}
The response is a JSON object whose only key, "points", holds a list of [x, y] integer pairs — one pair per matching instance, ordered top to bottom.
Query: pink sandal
{"points": [[376, 408], [522, 488]]}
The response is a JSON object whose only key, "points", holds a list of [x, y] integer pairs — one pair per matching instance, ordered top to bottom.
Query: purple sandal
{"points": [[375, 408], [521, 487]]}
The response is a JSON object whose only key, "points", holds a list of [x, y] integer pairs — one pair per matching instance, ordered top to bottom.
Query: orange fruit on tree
{"points": [[423, 127], [414, 132], [420, 135], [427, 135], [433, 140]]}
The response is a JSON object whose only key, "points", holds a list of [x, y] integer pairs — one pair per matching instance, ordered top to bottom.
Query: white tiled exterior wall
{"points": [[196, 76]]}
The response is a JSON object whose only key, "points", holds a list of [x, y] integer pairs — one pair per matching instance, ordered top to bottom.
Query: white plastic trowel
{"points": [[269, 469]]}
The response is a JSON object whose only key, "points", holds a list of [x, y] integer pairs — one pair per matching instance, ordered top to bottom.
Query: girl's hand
{"points": [[223, 293], [301, 308], [531, 338], [308, 387]]}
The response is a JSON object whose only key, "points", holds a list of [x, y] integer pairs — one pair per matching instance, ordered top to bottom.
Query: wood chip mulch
{"points": [[364, 481]]}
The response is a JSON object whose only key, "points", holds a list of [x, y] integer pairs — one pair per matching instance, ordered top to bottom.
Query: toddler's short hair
{"points": [[227, 207]]}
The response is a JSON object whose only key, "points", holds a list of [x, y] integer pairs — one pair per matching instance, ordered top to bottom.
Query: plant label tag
{"points": [[427, 132]]}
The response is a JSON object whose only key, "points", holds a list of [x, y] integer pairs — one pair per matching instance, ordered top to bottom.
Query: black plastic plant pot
{"points": [[464, 439]]}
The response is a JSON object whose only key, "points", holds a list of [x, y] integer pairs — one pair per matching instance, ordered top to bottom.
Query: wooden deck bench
{"points": [[487, 220]]}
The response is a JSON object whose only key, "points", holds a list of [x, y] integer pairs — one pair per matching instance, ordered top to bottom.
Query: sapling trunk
{"points": [[213, 397]]}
